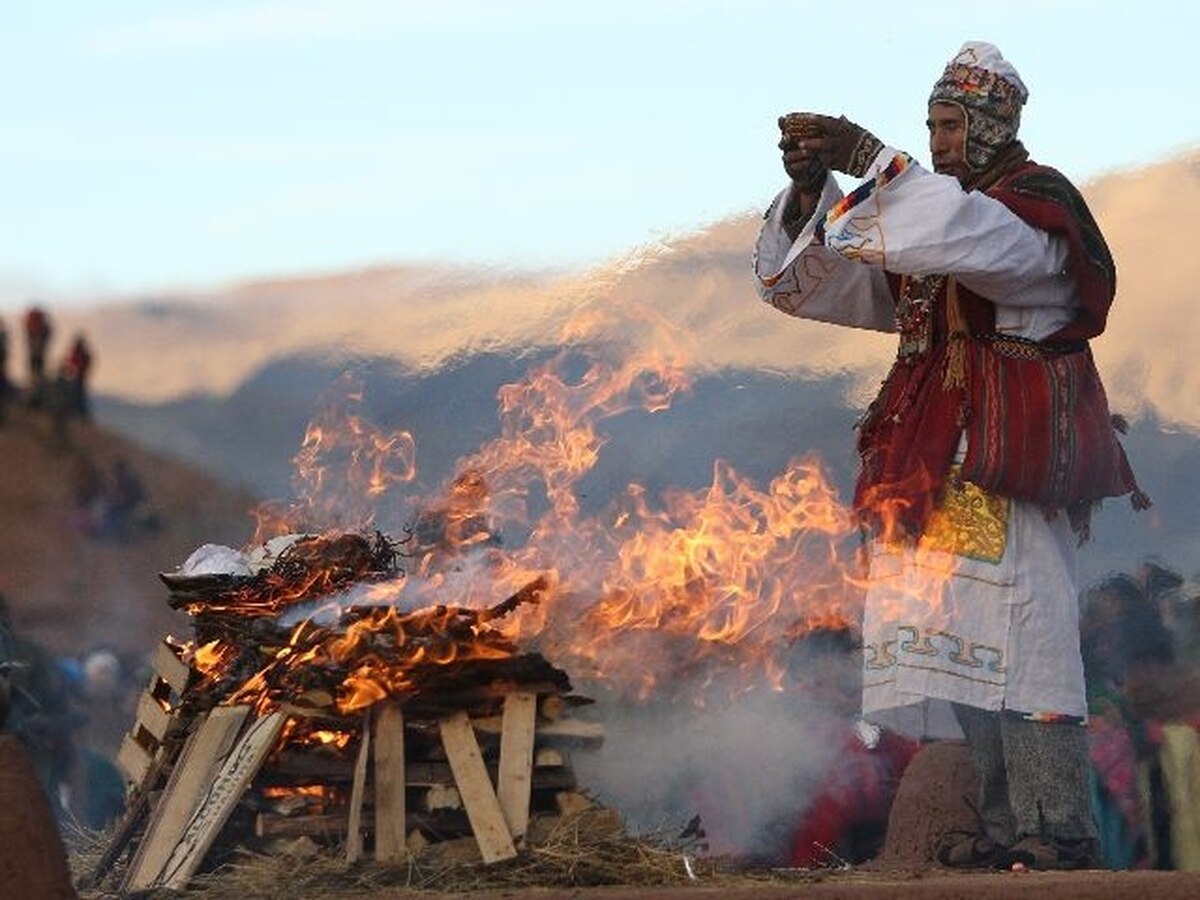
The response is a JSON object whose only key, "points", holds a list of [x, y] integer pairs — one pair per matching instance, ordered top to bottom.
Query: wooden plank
{"points": [[171, 668], [151, 716], [567, 729], [205, 747], [133, 760], [293, 766], [470, 774], [390, 781], [514, 783], [358, 789], [222, 793]]}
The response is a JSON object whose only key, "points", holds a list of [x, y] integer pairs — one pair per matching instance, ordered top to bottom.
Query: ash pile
{"points": [[293, 717]]}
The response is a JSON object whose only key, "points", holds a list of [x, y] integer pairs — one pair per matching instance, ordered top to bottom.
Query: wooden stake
{"points": [[516, 760], [470, 774], [390, 780], [354, 838]]}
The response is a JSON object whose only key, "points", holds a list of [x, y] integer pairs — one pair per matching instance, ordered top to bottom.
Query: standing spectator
{"points": [[37, 336], [75, 369], [5, 387], [126, 496], [1121, 635]]}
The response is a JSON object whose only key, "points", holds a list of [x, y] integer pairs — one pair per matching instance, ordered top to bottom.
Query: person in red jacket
{"points": [[37, 337], [75, 370]]}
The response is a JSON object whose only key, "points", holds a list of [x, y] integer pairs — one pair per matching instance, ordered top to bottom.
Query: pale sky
{"points": [[154, 146]]}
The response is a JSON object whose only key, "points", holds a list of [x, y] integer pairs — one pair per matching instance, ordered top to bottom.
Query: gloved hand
{"points": [[840, 144], [807, 170]]}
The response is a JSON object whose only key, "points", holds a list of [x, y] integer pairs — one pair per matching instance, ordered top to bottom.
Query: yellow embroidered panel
{"points": [[968, 522]]}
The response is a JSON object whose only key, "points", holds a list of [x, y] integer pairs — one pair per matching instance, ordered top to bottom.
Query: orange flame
{"points": [[344, 469], [709, 586]]}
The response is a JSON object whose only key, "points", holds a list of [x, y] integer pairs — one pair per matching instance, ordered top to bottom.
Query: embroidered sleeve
{"points": [[911, 221], [804, 279]]}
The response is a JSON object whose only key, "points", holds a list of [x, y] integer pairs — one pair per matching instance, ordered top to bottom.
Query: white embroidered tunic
{"points": [[940, 626]]}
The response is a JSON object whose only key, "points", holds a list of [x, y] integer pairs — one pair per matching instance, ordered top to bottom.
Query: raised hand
{"points": [[838, 143], [801, 161]]}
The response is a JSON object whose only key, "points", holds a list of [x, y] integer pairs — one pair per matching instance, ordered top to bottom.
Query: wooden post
{"points": [[516, 760], [470, 774], [390, 782], [358, 789]]}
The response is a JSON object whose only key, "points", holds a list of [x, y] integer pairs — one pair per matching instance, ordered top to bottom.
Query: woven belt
{"points": [[1022, 348]]}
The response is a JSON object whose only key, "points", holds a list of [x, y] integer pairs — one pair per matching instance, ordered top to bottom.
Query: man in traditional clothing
{"points": [[988, 445]]}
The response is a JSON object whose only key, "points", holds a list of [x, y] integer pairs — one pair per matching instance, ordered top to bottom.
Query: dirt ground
{"points": [[930, 800], [934, 885]]}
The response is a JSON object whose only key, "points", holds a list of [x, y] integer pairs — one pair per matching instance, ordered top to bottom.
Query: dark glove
{"points": [[838, 143], [807, 170]]}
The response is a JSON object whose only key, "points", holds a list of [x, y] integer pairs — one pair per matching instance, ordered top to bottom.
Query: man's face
{"points": [[948, 140]]}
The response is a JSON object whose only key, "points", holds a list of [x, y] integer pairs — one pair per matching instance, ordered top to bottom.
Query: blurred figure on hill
{"points": [[37, 338], [74, 372], [5, 384], [88, 498], [127, 510], [1122, 637]]}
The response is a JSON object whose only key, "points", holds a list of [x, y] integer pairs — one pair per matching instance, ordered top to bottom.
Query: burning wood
{"points": [[364, 727]]}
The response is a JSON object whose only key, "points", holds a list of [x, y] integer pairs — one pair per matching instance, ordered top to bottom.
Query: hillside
{"points": [[72, 579]]}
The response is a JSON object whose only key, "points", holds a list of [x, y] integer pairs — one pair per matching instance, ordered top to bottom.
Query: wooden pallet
{"points": [[156, 716], [480, 773]]}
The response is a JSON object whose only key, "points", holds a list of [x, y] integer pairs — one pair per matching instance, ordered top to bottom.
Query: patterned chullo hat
{"points": [[990, 93]]}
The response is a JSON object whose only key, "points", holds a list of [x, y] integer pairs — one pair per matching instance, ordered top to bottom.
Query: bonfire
{"points": [[381, 696]]}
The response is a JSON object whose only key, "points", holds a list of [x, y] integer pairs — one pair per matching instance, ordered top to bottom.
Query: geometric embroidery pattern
{"points": [[951, 648]]}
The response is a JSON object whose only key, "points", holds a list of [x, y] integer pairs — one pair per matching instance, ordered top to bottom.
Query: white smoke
{"points": [[750, 769]]}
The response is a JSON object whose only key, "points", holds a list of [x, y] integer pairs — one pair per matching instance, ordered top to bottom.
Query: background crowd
{"points": [[62, 389]]}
